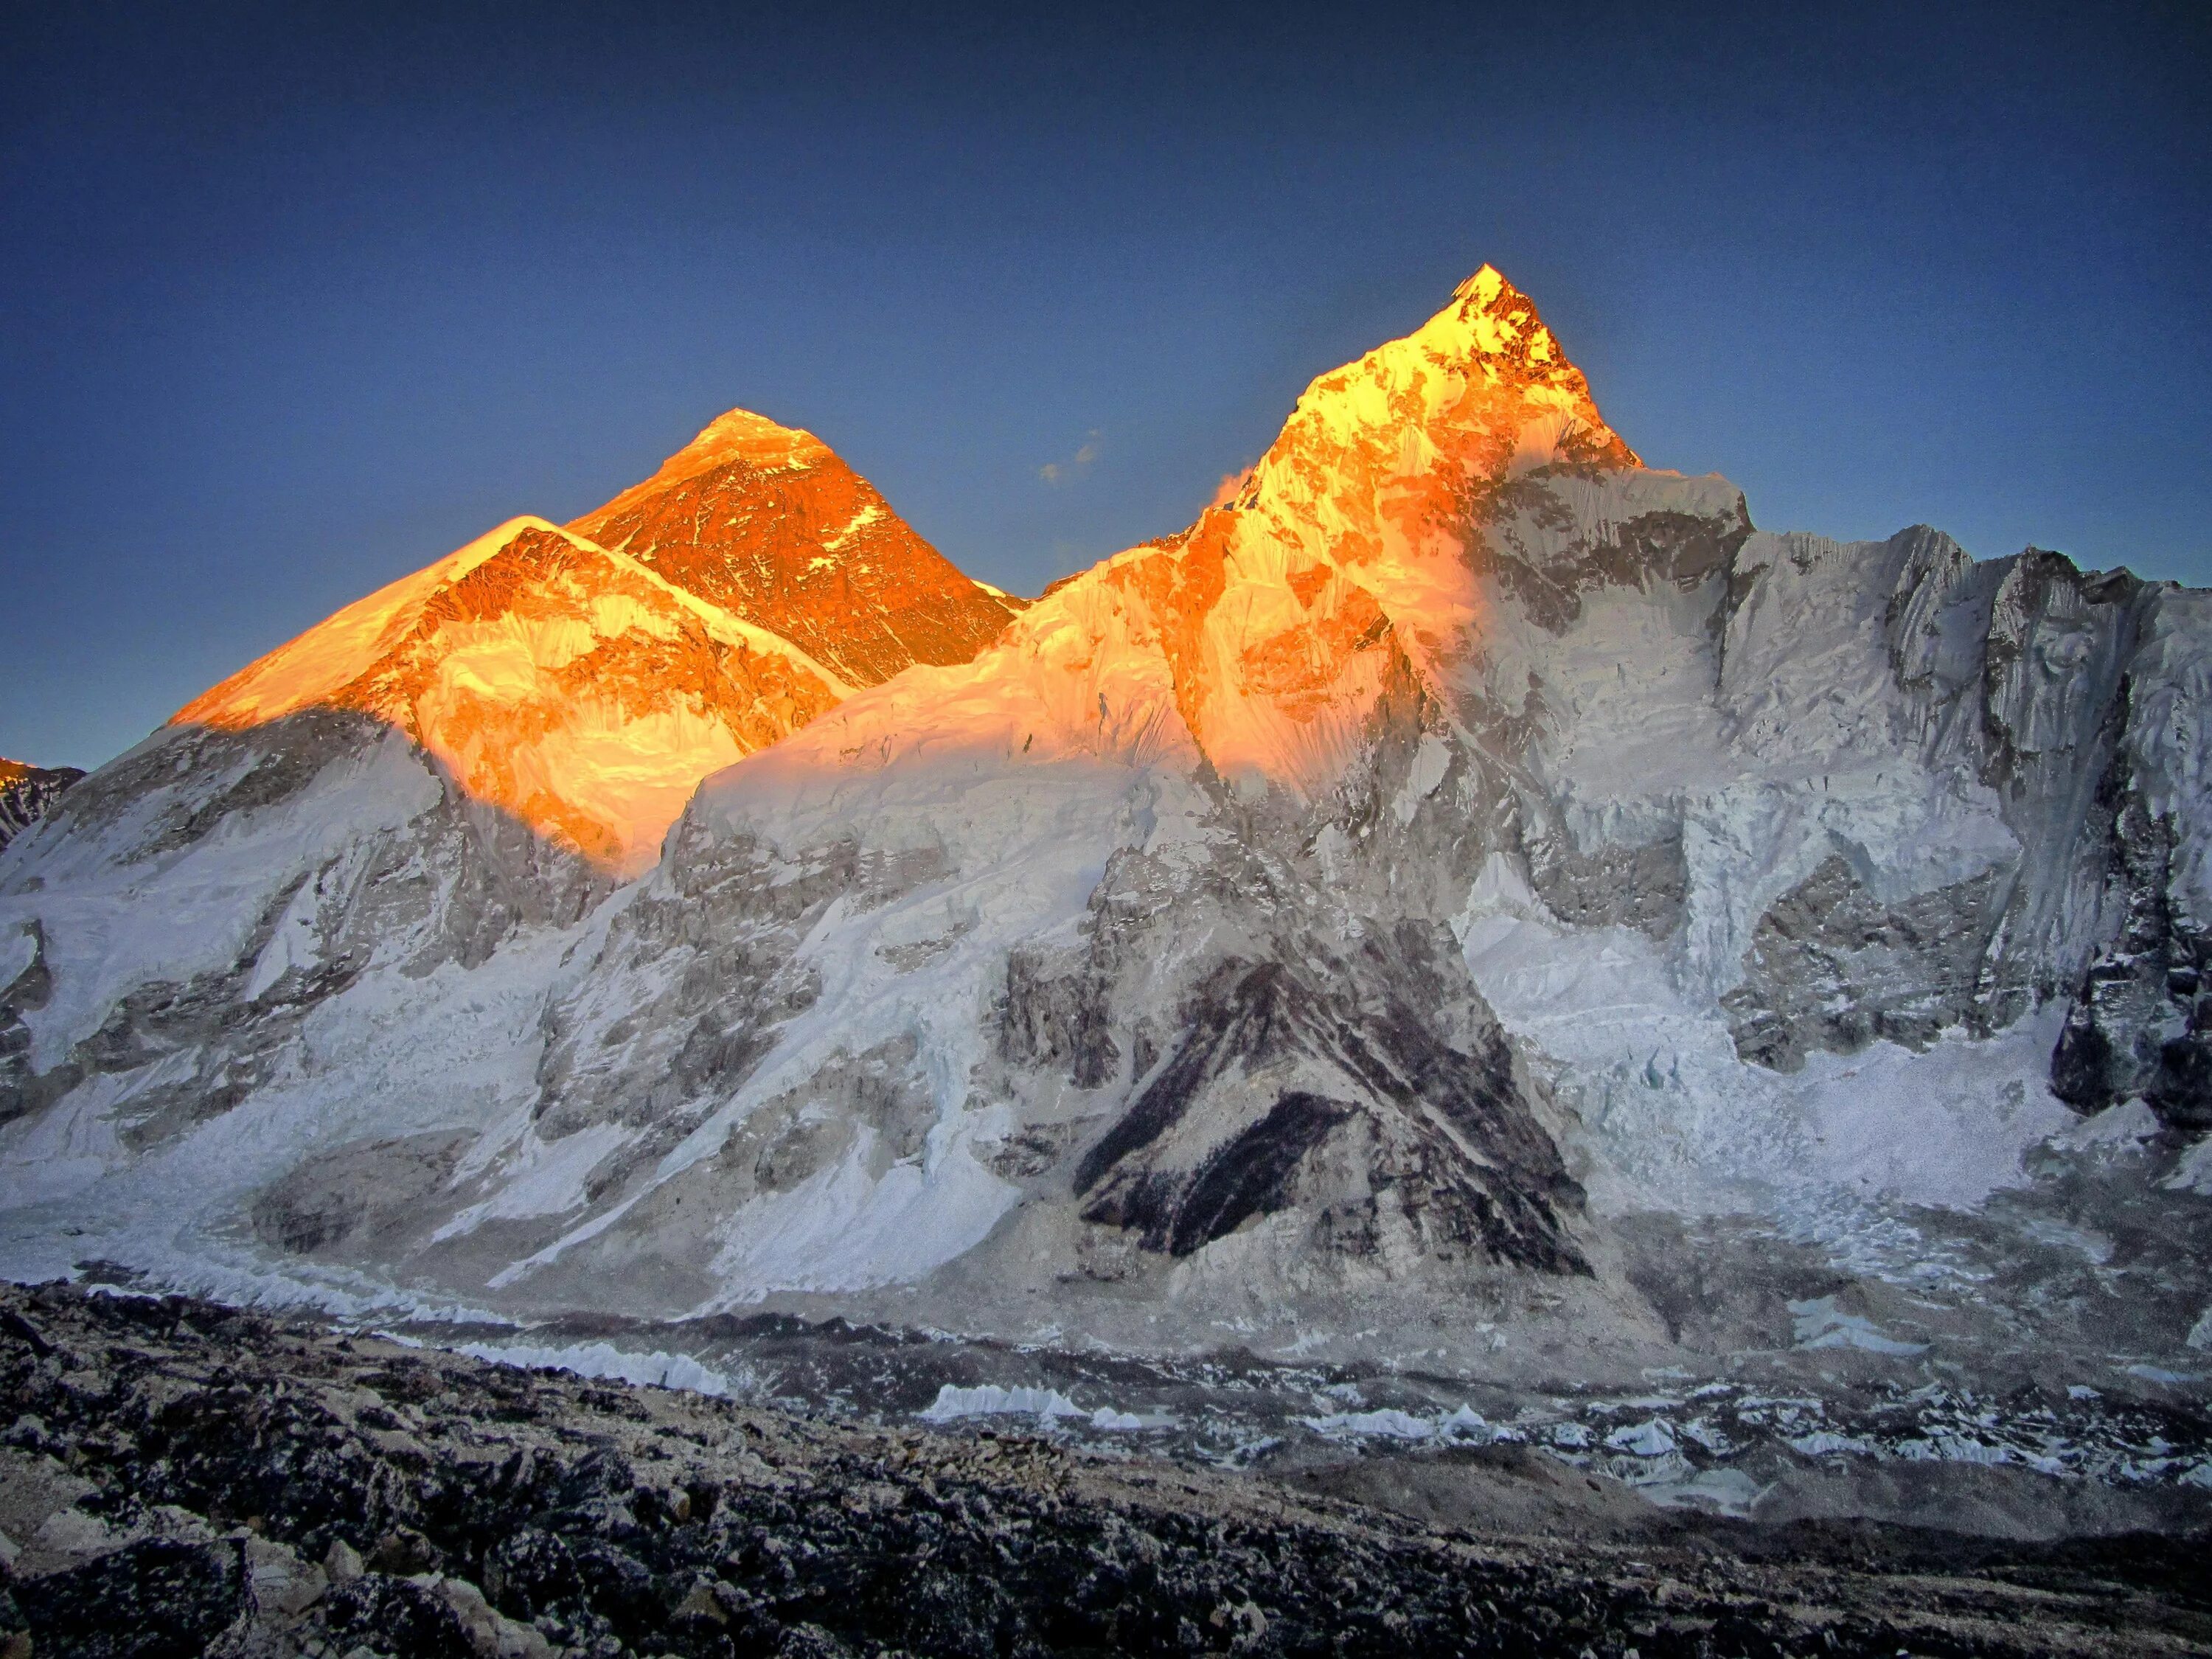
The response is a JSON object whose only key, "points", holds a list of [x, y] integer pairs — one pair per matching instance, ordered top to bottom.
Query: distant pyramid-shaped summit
{"points": [[767, 522], [584, 686]]}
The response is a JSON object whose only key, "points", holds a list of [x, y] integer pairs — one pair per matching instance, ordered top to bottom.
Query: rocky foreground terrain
{"points": [[180, 1477]]}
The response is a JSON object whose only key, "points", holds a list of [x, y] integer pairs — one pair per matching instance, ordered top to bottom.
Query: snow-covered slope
{"points": [[565, 684], [1407, 899]]}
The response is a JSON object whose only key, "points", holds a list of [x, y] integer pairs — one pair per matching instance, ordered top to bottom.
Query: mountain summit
{"points": [[767, 522], [566, 685], [584, 689]]}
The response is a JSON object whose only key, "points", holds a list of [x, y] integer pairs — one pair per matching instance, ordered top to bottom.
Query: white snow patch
{"points": [[18, 951], [1677, 1119], [2116, 1128], [542, 1178], [1818, 1325], [600, 1359], [989, 1400], [1388, 1424], [1653, 1437], [1725, 1491]]}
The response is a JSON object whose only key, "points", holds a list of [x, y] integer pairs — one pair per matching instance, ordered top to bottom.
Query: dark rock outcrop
{"points": [[27, 793]]}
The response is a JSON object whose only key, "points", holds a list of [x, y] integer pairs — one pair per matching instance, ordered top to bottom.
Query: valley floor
{"points": [[178, 1478]]}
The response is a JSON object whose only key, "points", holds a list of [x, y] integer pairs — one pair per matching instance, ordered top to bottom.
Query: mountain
{"points": [[767, 522], [566, 685], [26, 793], [1470, 898]]}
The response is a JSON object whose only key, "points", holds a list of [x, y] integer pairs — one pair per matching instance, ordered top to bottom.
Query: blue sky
{"points": [[295, 300]]}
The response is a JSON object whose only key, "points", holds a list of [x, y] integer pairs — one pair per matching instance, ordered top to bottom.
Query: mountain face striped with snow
{"points": [[769, 524], [26, 793], [1464, 887]]}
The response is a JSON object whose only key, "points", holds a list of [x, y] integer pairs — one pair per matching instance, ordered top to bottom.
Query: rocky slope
{"points": [[26, 793], [1463, 890], [179, 1479]]}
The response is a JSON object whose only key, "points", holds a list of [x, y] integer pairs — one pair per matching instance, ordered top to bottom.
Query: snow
{"points": [[868, 514], [340, 649], [1254, 650], [513, 702], [113, 921], [18, 951], [1678, 1121], [2116, 1128], [2193, 1172], [539, 1179], [843, 1230], [1818, 1324], [655, 1370], [989, 1400], [1389, 1422], [1650, 1438]]}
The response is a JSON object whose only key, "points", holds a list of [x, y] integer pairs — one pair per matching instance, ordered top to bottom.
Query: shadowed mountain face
{"points": [[767, 523], [27, 793], [1462, 889]]}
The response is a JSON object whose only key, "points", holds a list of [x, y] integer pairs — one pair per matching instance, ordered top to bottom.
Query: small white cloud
{"points": [[1057, 473], [1231, 487]]}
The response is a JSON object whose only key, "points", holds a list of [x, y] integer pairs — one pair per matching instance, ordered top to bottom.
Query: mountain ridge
{"points": [[767, 522], [27, 792], [1456, 888]]}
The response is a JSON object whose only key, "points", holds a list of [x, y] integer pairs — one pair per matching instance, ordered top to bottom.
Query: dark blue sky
{"points": [[296, 300]]}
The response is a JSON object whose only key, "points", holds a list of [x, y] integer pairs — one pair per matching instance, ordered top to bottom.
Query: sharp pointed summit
{"points": [[766, 521], [585, 689]]}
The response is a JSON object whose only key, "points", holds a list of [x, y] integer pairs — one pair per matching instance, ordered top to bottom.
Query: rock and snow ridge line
{"points": [[583, 680], [1458, 844]]}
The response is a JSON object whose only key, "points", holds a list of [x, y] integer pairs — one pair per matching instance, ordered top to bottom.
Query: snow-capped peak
{"points": [[737, 435], [770, 524], [1268, 630], [566, 684]]}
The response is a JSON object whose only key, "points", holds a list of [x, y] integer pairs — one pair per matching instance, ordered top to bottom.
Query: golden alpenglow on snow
{"points": [[1469, 920]]}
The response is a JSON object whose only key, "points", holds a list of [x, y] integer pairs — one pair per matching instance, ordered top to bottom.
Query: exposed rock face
{"points": [[767, 523], [27, 793], [1461, 840], [213, 889], [1370, 1115]]}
